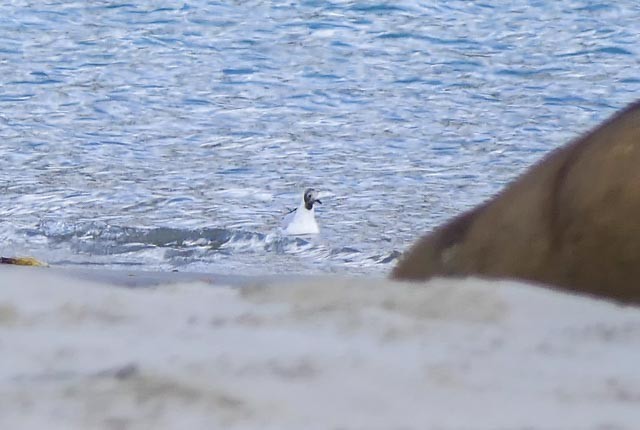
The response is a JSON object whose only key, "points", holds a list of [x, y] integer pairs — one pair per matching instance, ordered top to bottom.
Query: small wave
{"points": [[103, 238], [112, 239], [98, 242]]}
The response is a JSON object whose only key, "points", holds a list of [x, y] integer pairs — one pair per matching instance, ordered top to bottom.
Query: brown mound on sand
{"points": [[571, 221]]}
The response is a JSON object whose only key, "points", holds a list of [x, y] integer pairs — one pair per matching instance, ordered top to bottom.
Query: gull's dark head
{"points": [[310, 197]]}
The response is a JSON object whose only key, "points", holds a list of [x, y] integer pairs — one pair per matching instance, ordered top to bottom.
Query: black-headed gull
{"points": [[302, 220]]}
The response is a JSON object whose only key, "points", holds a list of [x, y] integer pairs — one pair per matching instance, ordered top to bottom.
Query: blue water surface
{"points": [[175, 135]]}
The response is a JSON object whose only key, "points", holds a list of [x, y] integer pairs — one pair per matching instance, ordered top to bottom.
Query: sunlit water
{"points": [[177, 137]]}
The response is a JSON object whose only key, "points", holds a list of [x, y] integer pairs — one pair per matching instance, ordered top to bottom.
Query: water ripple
{"points": [[176, 137]]}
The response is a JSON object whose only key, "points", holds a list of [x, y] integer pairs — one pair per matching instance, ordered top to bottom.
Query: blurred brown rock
{"points": [[571, 221]]}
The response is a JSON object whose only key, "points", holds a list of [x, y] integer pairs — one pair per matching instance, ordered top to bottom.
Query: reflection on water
{"points": [[177, 137]]}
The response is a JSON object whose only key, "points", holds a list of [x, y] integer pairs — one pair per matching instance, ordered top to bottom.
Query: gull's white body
{"points": [[300, 221]]}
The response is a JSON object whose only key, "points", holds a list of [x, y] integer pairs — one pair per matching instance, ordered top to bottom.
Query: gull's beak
{"points": [[318, 201]]}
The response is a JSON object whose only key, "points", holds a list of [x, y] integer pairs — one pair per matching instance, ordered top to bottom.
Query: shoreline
{"points": [[146, 278]]}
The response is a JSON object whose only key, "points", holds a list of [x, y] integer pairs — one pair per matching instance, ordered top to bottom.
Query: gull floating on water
{"points": [[302, 220]]}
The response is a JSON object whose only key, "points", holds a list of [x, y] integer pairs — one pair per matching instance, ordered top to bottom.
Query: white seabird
{"points": [[302, 220]]}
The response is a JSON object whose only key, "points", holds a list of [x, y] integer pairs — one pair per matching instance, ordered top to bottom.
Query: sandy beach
{"points": [[82, 351]]}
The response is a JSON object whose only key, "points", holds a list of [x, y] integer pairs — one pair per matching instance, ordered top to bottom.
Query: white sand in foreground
{"points": [[327, 354]]}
